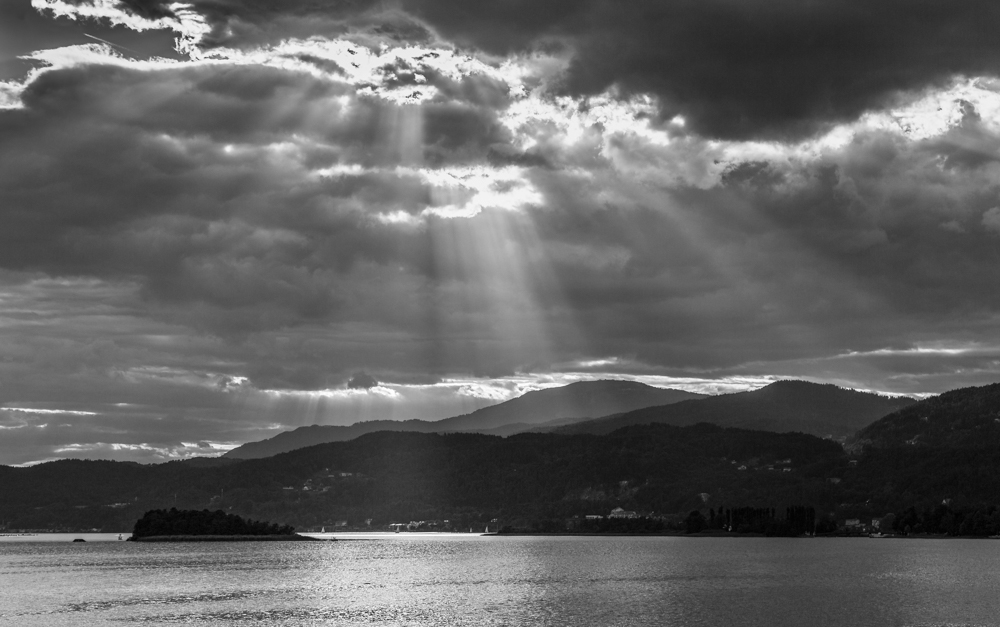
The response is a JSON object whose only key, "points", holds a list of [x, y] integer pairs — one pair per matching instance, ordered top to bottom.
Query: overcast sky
{"points": [[219, 220]]}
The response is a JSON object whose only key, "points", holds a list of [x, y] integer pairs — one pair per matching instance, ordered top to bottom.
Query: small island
{"points": [[174, 525]]}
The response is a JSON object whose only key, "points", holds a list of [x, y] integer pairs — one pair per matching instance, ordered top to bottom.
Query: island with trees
{"points": [[188, 525]]}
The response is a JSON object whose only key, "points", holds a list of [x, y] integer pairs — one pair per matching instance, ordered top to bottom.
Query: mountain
{"points": [[584, 399], [550, 407], [817, 409], [963, 418], [321, 434], [939, 453], [932, 465], [461, 477]]}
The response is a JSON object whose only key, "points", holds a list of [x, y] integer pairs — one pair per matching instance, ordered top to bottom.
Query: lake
{"points": [[423, 580]]}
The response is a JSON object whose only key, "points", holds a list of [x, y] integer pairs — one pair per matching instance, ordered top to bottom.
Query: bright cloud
{"points": [[190, 26], [467, 205]]}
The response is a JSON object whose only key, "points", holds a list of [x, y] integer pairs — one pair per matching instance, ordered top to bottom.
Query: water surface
{"points": [[414, 579]]}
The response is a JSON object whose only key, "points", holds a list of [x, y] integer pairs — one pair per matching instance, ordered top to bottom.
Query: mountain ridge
{"points": [[572, 402], [824, 410], [962, 418], [944, 481]]}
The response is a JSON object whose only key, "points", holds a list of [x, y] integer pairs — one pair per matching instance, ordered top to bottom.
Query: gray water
{"points": [[472, 580]]}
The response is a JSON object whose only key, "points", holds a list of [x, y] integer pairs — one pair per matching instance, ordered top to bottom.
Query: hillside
{"points": [[584, 399], [570, 403], [783, 406], [963, 418], [322, 434], [943, 451], [933, 464], [391, 476]]}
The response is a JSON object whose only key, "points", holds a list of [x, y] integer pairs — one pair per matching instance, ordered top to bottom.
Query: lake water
{"points": [[425, 580]]}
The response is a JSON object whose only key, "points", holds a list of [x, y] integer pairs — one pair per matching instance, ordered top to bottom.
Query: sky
{"points": [[224, 219]]}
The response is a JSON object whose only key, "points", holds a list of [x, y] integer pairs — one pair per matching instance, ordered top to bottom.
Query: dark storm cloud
{"points": [[243, 23], [762, 68], [745, 69], [751, 69], [180, 179], [884, 242], [209, 250], [362, 381]]}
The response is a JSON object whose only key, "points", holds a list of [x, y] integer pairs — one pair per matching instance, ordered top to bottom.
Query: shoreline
{"points": [[729, 534], [231, 538]]}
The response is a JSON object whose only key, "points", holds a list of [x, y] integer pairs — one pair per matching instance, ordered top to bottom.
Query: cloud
{"points": [[140, 15], [750, 69], [732, 70], [244, 197], [476, 203], [991, 219], [361, 381]]}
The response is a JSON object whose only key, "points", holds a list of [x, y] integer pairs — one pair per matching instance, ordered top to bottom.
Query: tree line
{"points": [[797, 520], [943, 520], [174, 522]]}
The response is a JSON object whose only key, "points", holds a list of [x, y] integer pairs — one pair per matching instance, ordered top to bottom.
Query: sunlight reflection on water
{"points": [[472, 580]]}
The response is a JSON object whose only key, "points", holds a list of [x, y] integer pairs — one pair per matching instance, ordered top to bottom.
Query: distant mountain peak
{"points": [[811, 387], [580, 400], [787, 405]]}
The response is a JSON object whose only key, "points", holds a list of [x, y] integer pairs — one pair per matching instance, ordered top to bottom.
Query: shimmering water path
{"points": [[473, 580]]}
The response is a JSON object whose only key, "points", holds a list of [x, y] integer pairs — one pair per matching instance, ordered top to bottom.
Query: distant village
{"points": [[323, 481]]}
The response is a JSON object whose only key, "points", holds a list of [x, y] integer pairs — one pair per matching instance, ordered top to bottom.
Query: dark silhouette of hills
{"points": [[584, 399], [783, 406], [550, 407], [963, 418], [320, 434], [942, 452], [205, 462], [932, 464], [460, 477]]}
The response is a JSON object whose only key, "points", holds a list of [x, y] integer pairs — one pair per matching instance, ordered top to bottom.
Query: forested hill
{"points": [[573, 402], [783, 406], [963, 418], [322, 434], [941, 451], [393, 476], [929, 476]]}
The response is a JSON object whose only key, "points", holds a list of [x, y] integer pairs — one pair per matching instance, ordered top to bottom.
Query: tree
{"points": [[694, 522]]}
